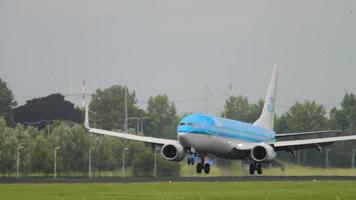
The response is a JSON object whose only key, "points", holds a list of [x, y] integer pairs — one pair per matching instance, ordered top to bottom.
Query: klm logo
{"points": [[271, 105]]}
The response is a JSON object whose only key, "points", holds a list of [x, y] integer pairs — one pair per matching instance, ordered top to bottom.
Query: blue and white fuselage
{"points": [[217, 136]]}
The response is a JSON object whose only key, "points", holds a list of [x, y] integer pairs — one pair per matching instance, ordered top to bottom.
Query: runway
{"points": [[173, 179]]}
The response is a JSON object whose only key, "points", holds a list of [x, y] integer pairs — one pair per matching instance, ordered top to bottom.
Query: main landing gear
{"points": [[190, 161], [200, 166], [205, 167], [255, 167]]}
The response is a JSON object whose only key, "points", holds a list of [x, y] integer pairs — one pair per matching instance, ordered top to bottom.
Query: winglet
{"points": [[267, 117], [86, 119]]}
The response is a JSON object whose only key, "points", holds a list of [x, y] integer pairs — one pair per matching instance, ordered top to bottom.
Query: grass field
{"points": [[180, 191]]}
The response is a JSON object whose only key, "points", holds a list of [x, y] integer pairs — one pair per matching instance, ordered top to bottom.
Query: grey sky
{"points": [[176, 47]]}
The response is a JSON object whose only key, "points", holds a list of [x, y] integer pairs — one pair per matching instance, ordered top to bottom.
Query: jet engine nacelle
{"points": [[173, 152], [263, 153]]}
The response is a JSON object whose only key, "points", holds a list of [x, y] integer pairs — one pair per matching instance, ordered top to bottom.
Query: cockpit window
{"points": [[189, 124]]}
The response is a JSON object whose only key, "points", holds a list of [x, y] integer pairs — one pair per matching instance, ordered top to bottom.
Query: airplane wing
{"points": [[306, 133], [127, 136], [309, 143]]}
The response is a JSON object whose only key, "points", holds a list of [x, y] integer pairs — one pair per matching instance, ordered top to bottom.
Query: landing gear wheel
{"points": [[190, 161], [199, 168], [207, 168], [259, 168], [252, 169]]}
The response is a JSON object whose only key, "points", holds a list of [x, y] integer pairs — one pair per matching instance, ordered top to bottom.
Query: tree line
{"points": [[35, 144]]}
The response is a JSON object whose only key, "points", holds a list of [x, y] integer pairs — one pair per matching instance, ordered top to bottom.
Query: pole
{"points": [[83, 95], [137, 123], [126, 126], [138, 126], [141, 126], [327, 157], [353, 158], [18, 161], [123, 161], [55, 162], [155, 163], [90, 175]]}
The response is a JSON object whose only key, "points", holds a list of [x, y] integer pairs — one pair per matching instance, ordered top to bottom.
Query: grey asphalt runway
{"points": [[173, 179]]}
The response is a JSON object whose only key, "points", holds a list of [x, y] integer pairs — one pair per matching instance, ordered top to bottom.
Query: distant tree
{"points": [[7, 102], [52, 107], [108, 108], [239, 108], [306, 116], [162, 119], [345, 120], [2, 123], [23, 137], [10, 140], [8, 143], [74, 144], [108, 154], [41, 155], [142, 164], [167, 168]]}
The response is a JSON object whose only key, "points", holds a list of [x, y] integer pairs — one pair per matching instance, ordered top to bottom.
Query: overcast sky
{"points": [[176, 47]]}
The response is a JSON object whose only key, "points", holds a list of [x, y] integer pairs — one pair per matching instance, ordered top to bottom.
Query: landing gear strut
{"points": [[190, 161], [255, 167], [259, 168], [252, 169]]}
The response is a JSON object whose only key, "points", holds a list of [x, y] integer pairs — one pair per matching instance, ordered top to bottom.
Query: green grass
{"points": [[180, 191]]}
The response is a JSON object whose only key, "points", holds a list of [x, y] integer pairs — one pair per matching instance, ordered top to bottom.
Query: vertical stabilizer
{"points": [[267, 116]]}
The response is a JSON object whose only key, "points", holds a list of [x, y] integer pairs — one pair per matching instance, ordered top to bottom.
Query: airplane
{"points": [[204, 136]]}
